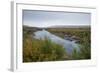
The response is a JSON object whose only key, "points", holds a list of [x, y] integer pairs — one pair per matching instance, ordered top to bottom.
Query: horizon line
{"points": [[55, 26]]}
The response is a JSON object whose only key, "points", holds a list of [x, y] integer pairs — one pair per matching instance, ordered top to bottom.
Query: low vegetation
{"points": [[84, 36], [38, 50], [42, 50]]}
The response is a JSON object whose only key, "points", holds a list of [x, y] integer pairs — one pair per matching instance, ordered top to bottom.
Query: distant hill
{"points": [[55, 26], [69, 26], [31, 29]]}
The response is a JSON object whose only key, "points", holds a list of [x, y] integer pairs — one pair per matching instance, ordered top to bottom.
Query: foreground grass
{"points": [[42, 50]]}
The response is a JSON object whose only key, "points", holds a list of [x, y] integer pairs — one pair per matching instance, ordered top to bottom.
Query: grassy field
{"points": [[81, 33], [84, 36], [35, 50]]}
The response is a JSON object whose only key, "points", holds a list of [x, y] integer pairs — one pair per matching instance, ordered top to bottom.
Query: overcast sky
{"points": [[46, 18]]}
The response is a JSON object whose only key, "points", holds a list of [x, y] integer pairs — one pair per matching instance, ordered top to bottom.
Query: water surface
{"points": [[67, 44]]}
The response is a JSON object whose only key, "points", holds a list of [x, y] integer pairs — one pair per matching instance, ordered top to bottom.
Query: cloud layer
{"points": [[48, 18]]}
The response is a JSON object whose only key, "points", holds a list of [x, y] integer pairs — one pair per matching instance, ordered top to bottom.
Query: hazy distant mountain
{"points": [[57, 26], [30, 28]]}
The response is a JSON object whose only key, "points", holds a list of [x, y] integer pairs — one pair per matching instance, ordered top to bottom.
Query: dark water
{"points": [[69, 45]]}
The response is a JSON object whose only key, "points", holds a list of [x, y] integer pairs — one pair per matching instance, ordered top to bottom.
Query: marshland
{"points": [[56, 44]]}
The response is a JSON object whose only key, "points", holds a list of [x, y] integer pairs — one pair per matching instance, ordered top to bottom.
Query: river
{"points": [[67, 44]]}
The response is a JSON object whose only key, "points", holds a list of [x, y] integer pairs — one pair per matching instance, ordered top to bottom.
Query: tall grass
{"points": [[35, 50], [84, 53]]}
